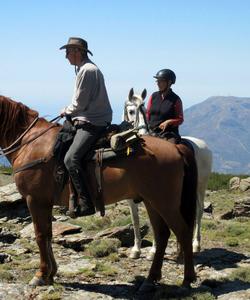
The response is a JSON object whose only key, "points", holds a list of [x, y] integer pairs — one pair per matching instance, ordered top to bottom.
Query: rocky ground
{"points": [[92, 253]]}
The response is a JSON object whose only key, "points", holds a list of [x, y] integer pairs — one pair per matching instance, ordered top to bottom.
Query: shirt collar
{"points": [[87, 60]]}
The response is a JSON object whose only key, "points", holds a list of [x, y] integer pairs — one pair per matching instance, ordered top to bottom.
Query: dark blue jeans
{"points": [[84, 140]]}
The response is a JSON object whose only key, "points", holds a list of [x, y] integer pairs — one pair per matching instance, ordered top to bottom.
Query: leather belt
{"points": [[79, 123]]}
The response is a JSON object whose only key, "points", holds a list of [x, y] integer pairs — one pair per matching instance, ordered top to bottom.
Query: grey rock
{"points": [[234, 183], [244, 184], [9, 193], [208, 207], [242, 207], [58, 228], [123, 233], [7, 236], [74, 241], [4, 258], [75, 266], [10, 291]]}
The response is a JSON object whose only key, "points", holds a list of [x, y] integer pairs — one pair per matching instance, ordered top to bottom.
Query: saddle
{"points": [[118, 141]]}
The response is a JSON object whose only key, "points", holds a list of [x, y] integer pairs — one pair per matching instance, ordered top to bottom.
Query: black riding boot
{"points": [[85, 206]]}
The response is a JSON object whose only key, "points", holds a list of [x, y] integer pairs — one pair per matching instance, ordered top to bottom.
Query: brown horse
{"points": [[158, 169]]}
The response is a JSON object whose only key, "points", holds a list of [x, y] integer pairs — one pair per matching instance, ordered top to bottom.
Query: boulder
{"points": [[234, 183], [237, 183], [245, 184], [9, 194], [208, 207], [242, 207], [58, 228], [123, 233], [7, 236], [74, 241], [4, 258]]}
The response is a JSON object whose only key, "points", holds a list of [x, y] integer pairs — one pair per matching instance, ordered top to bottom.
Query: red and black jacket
{"points": [[161, 108]]}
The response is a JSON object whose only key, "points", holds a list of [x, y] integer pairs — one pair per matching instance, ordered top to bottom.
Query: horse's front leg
{"points": [[41, 213], [161, 234], [136, 250], [152, 250]]}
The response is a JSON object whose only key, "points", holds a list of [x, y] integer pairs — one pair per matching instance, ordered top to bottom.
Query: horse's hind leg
{"points": [[41, 213], [161, 235], [184, 235]]}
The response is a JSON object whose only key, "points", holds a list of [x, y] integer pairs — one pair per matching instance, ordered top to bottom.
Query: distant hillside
{"points": [[224, 123]]}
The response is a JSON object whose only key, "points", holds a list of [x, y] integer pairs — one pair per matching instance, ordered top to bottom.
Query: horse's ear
{"points": [[131, 93], [144, 94]]}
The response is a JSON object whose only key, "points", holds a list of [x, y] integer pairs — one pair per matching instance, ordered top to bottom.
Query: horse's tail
{"points": [[189, 189]]}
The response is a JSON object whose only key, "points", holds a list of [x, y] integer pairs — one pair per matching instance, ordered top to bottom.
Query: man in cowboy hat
{"points": [[90, 112]]}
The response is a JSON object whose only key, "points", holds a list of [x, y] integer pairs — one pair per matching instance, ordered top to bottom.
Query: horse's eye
{"points": [[131, 112]]}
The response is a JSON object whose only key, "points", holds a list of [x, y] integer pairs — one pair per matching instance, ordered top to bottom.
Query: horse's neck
{"points": [[142, 121], [39, 125], [143, 130]]}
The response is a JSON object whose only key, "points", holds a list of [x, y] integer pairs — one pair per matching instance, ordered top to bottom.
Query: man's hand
{"points": [[63, 113], [164, 125]]}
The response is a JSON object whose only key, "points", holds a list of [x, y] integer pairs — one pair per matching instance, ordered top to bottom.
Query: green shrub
{"points": [[5, 170], [219, 181], [232, 242], [101, 248], [242, 273]]}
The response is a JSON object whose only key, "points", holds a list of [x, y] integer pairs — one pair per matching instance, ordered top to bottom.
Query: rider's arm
{"points": [[148, 108], [178, 120]]}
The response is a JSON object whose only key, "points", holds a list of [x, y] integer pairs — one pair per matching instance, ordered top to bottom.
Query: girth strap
{"points": [[31, 164], [98, 169]]}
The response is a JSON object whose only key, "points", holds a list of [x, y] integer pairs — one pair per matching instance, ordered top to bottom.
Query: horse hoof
{"points": [[135, 254], [150, 256], [37, 281], [186, 284], [147, 286]]}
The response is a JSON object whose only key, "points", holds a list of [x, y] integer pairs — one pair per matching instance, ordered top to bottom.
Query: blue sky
{"points": [[206, 43]]}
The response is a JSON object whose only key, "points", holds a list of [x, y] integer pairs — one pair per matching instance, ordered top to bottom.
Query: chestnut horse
{"points": [[135, 112], [160, 173]]}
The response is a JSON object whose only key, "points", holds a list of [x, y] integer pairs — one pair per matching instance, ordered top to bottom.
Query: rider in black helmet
{"points": [[164, 110]]}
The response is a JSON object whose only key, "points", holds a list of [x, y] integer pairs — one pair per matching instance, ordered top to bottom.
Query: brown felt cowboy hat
{"points": [[75, 42]]}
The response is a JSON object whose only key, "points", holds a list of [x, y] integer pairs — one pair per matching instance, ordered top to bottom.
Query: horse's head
{"points": [[135, 111]]}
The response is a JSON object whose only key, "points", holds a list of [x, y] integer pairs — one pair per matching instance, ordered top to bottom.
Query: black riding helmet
{"points": [[166, 74]]}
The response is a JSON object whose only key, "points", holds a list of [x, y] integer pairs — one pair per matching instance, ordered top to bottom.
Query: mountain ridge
{"points": [[223, 122]]}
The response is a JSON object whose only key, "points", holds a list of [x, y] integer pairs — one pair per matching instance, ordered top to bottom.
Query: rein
{"points": [[21, 136], [8, 149]]}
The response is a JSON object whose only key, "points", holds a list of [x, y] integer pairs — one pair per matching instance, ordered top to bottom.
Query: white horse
{"points": [[135, 112]]}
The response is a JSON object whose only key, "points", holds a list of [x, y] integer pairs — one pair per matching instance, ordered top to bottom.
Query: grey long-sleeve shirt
{"points": [[90, 101]]}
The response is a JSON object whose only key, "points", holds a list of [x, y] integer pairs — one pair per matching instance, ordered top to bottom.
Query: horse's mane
{"points": [[14, 116]]}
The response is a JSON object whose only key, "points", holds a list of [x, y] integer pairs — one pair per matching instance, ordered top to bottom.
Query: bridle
{"points": [[139, 109]]}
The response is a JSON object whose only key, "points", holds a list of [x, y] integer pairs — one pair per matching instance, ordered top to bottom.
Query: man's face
{"points": [[74, 56], [162, 84]]}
